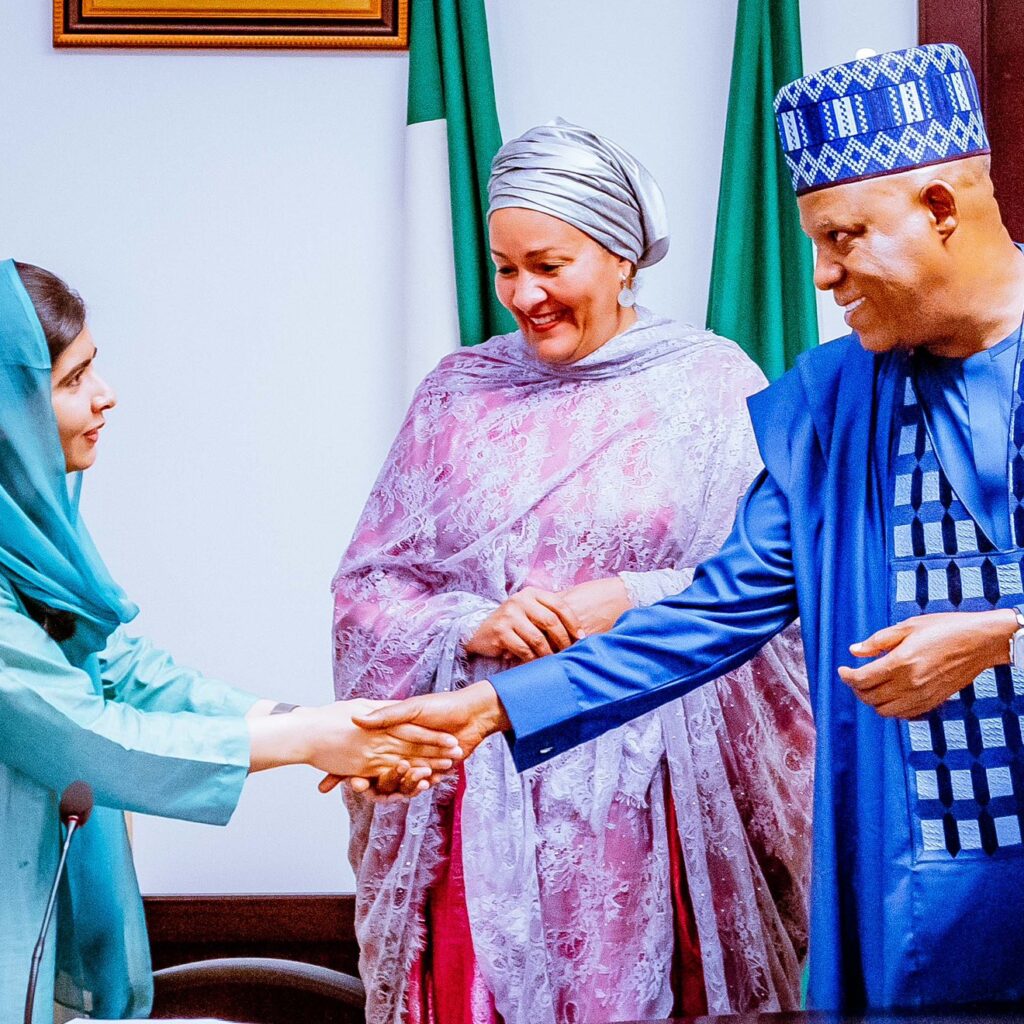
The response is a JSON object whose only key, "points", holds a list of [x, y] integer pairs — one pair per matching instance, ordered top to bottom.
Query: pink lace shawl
{"points": [[508, 472]]}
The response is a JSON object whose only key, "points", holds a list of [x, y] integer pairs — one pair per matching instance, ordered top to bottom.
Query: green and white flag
{"points": [[451, 136], [762, 293]]}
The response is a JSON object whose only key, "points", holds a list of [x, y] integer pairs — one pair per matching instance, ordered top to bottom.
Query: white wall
{"points": [[833, 31], [656, 81], [659, 84], [231, 219]]}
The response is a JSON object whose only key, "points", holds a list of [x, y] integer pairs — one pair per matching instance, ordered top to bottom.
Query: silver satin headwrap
{"points": [[589, 182]]}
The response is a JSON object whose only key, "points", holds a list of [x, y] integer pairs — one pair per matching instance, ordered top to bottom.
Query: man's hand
{"points": [[530, 624], [926, 659], [470, 715], [328, 738], [388, 787]]}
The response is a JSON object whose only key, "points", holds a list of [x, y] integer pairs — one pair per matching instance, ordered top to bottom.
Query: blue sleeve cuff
{"points": [[541, 705]]}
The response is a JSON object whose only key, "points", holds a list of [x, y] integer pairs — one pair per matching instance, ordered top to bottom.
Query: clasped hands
{"points": [[535, 623], [531, 624]]}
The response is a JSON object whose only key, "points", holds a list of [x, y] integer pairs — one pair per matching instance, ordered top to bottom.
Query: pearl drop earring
{"points": [[627, 297]]}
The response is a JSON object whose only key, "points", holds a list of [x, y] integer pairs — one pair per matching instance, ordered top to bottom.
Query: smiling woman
{"points": [[560, 285], [80, 399], [543, 483]]}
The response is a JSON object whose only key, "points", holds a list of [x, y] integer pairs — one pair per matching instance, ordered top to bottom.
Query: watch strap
{"points": [[1017, 639]]}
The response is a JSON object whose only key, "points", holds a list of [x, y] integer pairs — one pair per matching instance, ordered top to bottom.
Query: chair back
{"points": [[258, 990]]}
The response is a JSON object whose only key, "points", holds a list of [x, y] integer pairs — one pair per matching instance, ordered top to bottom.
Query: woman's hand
{"points": [[597, 604], [530, 624], [471, 714], [327, 738]]}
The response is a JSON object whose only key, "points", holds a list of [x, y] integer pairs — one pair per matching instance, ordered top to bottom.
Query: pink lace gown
{"points": [[561, 895], [446, 986]]}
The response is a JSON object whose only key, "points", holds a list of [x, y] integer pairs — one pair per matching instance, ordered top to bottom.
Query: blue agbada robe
{"points": [[147, 734], [888, 928]]}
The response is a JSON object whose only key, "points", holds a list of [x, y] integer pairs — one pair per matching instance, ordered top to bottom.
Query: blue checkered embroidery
{"points": [[879, 115], [965, 760]]}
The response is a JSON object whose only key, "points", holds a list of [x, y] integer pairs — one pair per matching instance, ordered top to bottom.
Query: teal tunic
{"points": [[148, 736]]}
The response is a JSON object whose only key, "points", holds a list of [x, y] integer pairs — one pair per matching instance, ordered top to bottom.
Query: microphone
{"points": [[76, 804], [75, 808]]}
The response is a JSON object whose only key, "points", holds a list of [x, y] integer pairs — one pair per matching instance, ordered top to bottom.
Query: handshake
{"points": [[407, 746], [401, 748]]}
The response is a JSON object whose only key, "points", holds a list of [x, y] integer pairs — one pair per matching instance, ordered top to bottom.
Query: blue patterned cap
{"points": [[880, 115]]}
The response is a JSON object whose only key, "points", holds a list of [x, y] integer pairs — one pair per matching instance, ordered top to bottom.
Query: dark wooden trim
{"points": [[956, 21], [991, 33], [314, 928]]}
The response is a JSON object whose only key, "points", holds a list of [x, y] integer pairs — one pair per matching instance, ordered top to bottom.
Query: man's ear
{"points": [[939, 197]]}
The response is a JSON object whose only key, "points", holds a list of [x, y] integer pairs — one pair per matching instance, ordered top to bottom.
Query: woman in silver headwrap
{"points": [[542, 483]]}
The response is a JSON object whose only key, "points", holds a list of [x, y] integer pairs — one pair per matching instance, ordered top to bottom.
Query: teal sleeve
{"points": [[147, 678], [55, 728]]}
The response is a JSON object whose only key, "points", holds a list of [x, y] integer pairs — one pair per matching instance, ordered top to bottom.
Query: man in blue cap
{"points": [[890, 518]]}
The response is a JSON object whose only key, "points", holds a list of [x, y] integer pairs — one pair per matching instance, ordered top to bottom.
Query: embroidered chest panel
{"points": [[964, 760]]}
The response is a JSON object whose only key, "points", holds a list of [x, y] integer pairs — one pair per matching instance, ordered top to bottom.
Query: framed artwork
{"points": [[302, 24]]}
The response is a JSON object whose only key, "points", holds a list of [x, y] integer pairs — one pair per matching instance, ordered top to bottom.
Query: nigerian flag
{"points": [[451, 136], [762, 293]]}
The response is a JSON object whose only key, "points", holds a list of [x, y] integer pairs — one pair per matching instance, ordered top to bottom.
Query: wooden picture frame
{"points": [[261, 24]]}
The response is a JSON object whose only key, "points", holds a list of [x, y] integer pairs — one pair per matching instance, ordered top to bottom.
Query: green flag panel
{"points": [[450, 77], [762, 292]]}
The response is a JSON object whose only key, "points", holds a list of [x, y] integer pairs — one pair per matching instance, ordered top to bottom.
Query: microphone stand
{"points": [[37, 953]]}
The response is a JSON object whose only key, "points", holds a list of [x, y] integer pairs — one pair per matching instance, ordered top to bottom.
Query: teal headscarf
{"points": [[45, 549]]}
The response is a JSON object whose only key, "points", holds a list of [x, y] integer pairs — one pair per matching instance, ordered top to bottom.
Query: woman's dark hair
{"points": [[60, 308], [61, 313], [59, 625]]}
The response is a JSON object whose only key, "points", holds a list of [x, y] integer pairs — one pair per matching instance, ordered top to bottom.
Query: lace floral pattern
{"points": [[508, 472]]}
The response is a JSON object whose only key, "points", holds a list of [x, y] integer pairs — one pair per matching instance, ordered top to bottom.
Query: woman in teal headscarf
{"points": [[81, 700]]}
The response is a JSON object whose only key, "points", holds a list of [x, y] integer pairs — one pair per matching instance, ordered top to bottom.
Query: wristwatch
{"points": [[1017, 640]]}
